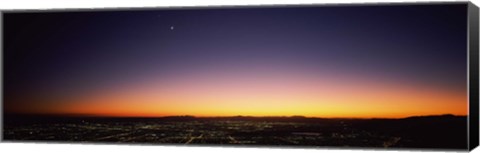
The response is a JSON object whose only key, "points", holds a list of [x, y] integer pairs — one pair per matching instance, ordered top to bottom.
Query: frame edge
{"points": [[473, 119]]}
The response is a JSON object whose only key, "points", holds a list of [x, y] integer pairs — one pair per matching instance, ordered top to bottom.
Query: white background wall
{"points": [[87, 148]]}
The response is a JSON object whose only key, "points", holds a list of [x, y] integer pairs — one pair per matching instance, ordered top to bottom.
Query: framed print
{"points": [[379, 76]]}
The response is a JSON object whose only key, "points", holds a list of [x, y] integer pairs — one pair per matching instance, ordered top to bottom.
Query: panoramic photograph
{"points": [[366, 76]]}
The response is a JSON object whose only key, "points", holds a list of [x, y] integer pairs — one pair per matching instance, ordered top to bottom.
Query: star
{"points": [[172, 27]]}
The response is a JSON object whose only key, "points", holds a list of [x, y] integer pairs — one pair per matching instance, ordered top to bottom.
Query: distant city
{"points": [[442, 132]]}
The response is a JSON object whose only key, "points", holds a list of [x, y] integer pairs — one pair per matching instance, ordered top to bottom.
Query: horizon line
{"points": [[225, 116]]}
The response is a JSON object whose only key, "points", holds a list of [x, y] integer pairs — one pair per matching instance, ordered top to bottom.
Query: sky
{"points": [[318, 61]]}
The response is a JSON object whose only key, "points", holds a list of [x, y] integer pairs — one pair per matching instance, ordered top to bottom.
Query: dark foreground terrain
{"points": [[441, 132]]}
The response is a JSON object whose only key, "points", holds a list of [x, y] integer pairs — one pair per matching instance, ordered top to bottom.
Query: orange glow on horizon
{"points": [[269, 95]]}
